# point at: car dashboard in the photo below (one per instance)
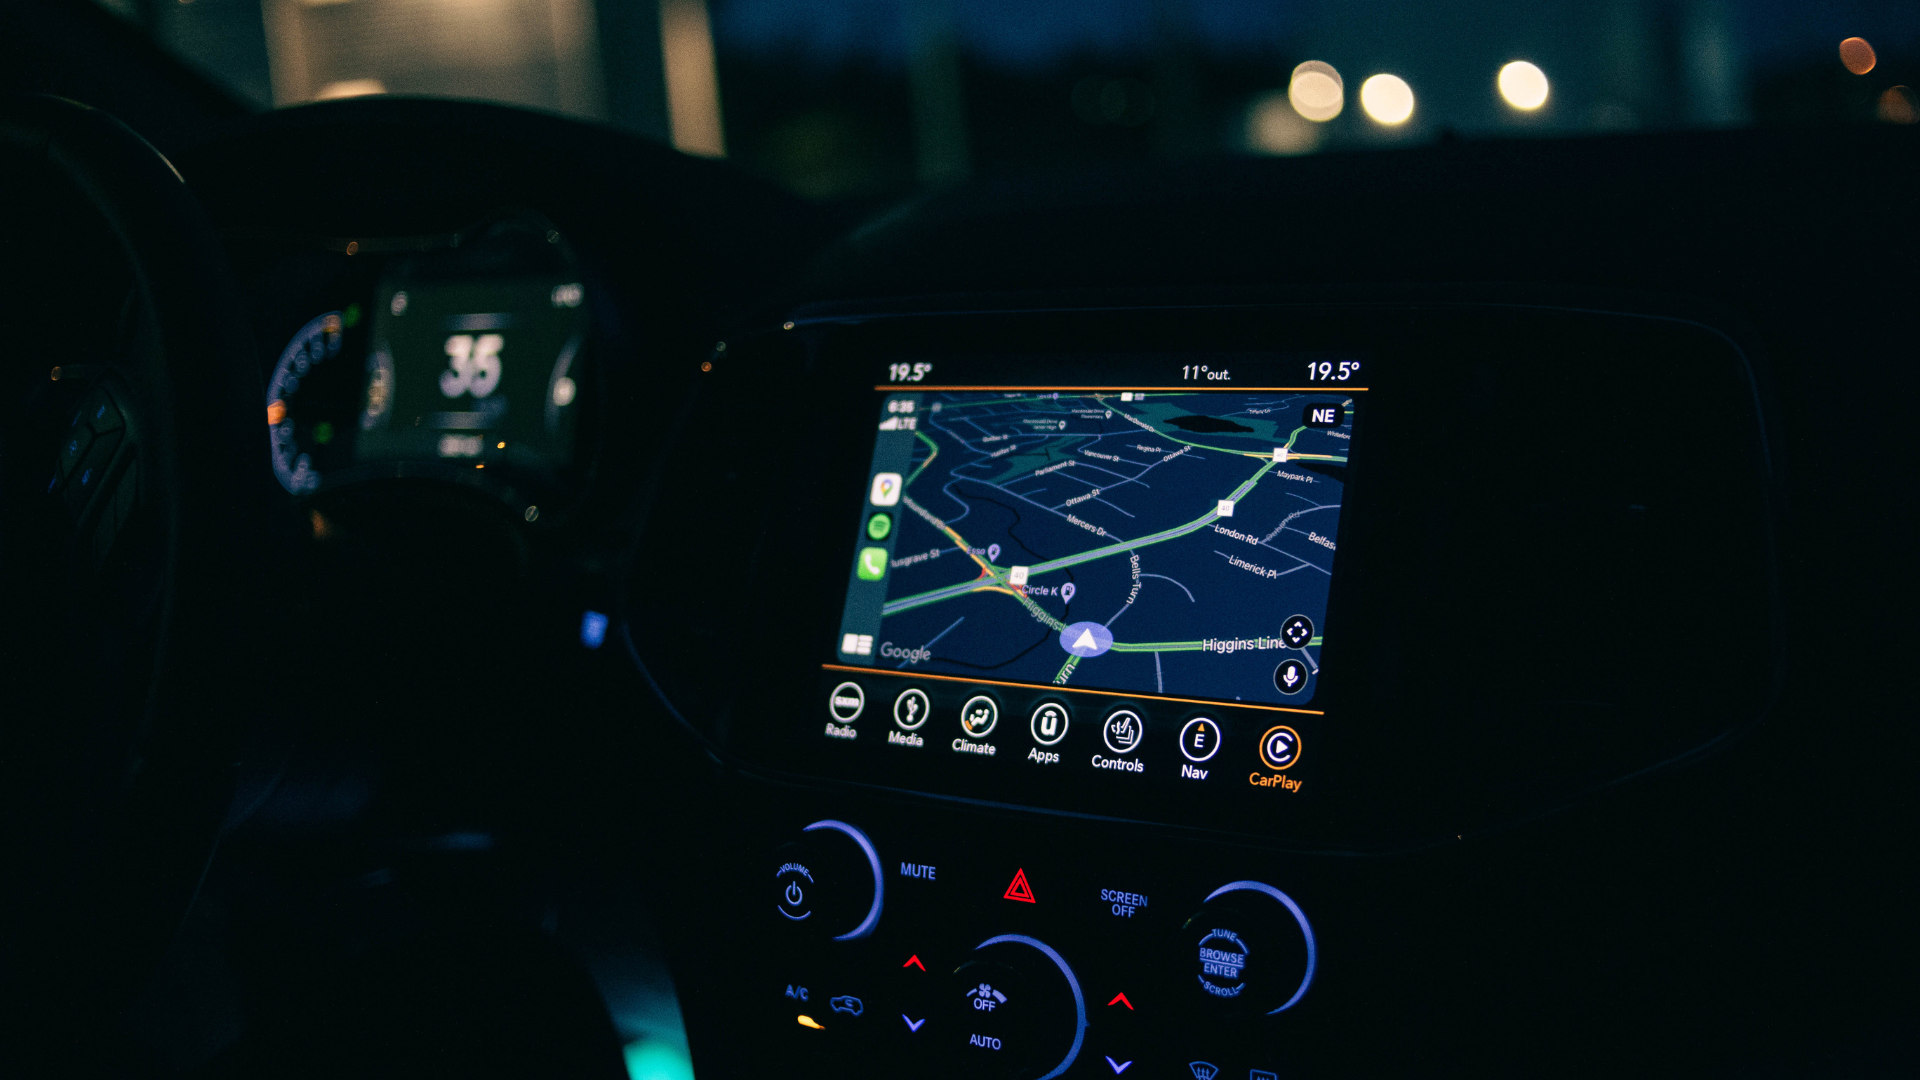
(1414, 611)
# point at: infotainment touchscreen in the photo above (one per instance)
(1168, 541)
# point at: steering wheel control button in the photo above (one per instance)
(794, 888)
(1280, 748)
(1252, 949)
(846, 702)
(910, 709)
(979, 716)
(1290, 677)
(1049, 723)
(1123, 731)
(1297, 632)
(1200, 739)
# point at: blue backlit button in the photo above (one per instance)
(1280, 748)
(846, 702)
(1200, 738)
(1049, 723)
(910, 709)
(1253, 951)
(847, 1003)
(1203, 1070)
(1123, 730)
(979, 716)
(793, 891)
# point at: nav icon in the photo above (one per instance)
(886, 489)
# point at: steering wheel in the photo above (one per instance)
(140, 524)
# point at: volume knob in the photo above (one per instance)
(828, 883)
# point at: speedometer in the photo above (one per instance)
(309, 393)
(316, 343)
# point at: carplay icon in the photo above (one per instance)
(886, 489)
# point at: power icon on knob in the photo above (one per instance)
(792, 897)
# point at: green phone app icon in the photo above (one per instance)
(878, 526)
(873, 564)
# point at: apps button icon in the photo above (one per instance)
(1049, 723)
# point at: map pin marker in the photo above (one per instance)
(1066, 593)
(993, 552)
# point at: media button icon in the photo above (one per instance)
(979, 716)
(1280, 748)
(1123, 731)
(846, 702)
(1290, 677)
(1200, 738)
(1297, 631)
(910, 709)
(1049, 723)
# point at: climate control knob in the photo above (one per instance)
(1248, 950)
(1015, 1011)
(828, 883)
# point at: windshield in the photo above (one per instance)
(871, 99)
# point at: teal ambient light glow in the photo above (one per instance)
(655, 1059)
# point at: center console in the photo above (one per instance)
(1089, 672)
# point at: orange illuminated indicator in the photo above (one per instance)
(1857, 55)
(809, 1022)
(276, 411)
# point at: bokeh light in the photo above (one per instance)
(1387, 99)
(1523, 85)
(1316, 91)
(1273, 127)
(1898, 106)
(1857, 55)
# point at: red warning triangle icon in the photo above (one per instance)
(1020, 890)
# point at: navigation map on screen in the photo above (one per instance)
(1177, 541)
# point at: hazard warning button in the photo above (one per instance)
(1020, 889)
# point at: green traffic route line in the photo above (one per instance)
(948, 592)
(1066, 670)
(931, 445)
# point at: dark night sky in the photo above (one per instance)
(1028, 33)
